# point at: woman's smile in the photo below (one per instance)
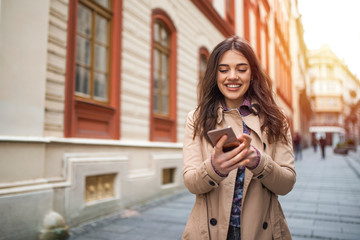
(233, 87)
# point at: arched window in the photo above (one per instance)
(92, 82)
(163, 78)
(161, 69)
(230, 12)
(92, 53)
(203, 59)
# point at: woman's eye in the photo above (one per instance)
(242, 70)
(222, 70)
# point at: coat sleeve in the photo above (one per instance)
(277, 173)
(198, 173)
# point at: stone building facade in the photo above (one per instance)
(94, 95)
(333, 91)
(300, 77)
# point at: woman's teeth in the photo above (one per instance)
(233, 86)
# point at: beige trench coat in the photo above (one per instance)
(262, 217)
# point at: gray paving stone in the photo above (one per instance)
(85, 237)
(332, 235)
(304, 223)
(350, 219)
(119, 228)
(324, 204)
(329, 226)
(100, 235)
(350, 228)
(300, 238)
(300, 231)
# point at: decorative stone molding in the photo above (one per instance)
(79, 166)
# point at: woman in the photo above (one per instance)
(236, 191)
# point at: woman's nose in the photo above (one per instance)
(232, 74)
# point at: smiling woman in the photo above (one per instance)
(236, 92)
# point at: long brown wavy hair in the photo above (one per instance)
(260, 89)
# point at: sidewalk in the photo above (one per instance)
(163, 219)
(324, 204)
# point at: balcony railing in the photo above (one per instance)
(325, 123)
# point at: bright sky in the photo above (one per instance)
(336, 23)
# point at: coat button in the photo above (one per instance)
(213, 221)
(260, 176)
(265, 225)
(212, 183)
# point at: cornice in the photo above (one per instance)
(208, 10)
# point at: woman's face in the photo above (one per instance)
(233, 77)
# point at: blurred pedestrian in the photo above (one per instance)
(314, 143)
(297, 146)
(236, 191)
(322, 142)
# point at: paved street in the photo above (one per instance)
(325, 204)
(163, 219)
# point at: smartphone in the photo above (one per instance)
(231, 141)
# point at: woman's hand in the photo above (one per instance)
(251, 158)
(243, 155)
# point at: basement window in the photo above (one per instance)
(99, 187)
(168, 175)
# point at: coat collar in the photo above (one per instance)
(252, 121)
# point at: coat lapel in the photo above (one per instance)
(253, 123)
